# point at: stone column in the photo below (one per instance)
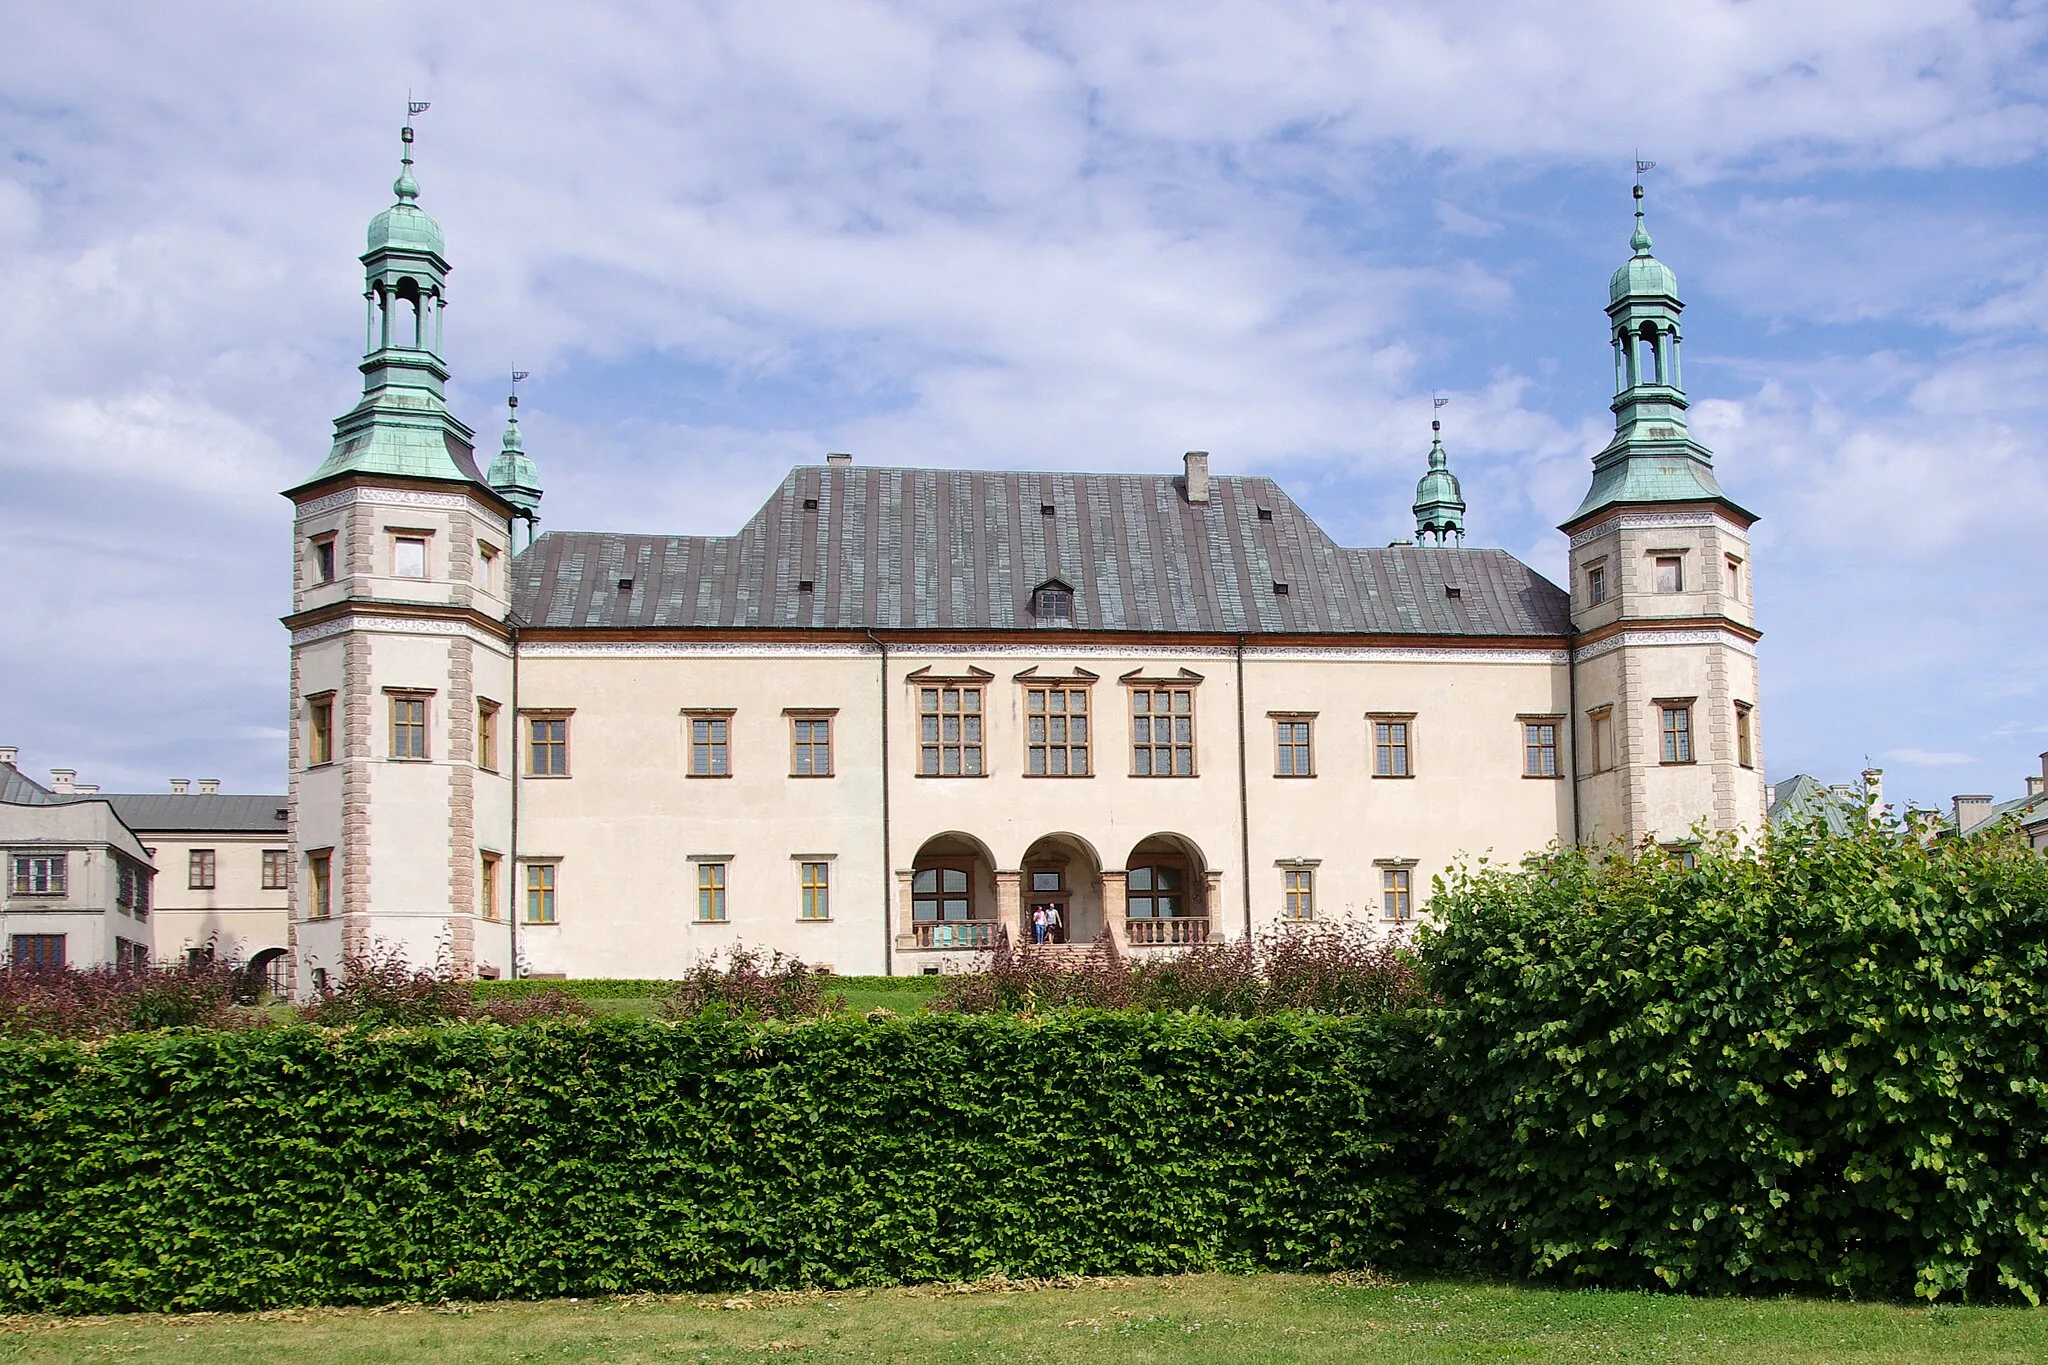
(1212, 902)
(1113, 906)
(1010, 905)
(904, 921)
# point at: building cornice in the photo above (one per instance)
(394, 490)
(1636, 635)
(400, 618)
(1608, 519)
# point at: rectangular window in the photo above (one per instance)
(1539, 748)
(1686, 856)
(949, 731)
(941, 894)
(277, 864)
(323, 560)
(1293, 751)
(1735, 578)
(487, 567)
(1596, 585)
(199, 870)
(409, 557)
(1300, 886)
(1056, 731)
(41, 874)
(132, 888)
(547, 746)
(487, 736)
(320, 730)
(1745, 744)
(810, 746)
(487, 885)
(1670, 573)
(711, 893)
(540, 893)
(37, 952)
(1396, 893)
(1390, 756)
(1162, 732)
(1155, 892)
(408, 727)
(1677, 733)
(319, 872)
(708, 746)
(1601, 724)
(817, 890)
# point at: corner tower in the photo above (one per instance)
(1665, 667)
(400, 569)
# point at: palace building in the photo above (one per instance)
(902, 709)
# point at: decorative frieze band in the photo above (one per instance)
(1667, 637)
(1051, 649)
(384, 497)
(1641, 521)
(395, 625)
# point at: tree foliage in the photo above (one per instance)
(1814, 1064)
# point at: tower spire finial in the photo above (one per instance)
(1439, 502)
(405, 187)
(1640, 238)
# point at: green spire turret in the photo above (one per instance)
(513, 474)
(1653, 457)
(1439, 501)
(402, 425)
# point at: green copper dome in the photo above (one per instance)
(405, 226)
(1642, 275)
(512, 474)
(1439, 501)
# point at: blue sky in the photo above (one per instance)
(728, 237)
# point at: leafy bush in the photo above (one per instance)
(68, 1002)
(1334, 968)
(382, 988)
(749, 986)
(1815, 1064)
(299, 1165)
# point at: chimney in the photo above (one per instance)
(839, 457)
(1970, 812)
(84, 788)
(1197, 463)
(1873, 785)
(7, 755)
(62, 780)
(180, 785)
(2036, 785)
(209, 786)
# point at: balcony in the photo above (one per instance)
(1169, 932)
(955, 934)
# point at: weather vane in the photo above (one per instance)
(1436, 403)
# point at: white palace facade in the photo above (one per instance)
(903, 708)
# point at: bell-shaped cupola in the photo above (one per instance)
(1653, 457)
(1439, 501)
(402, 425)
(513, 475)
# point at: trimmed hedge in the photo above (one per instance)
(622, 988)
(300, 1165)
(1815, 1065)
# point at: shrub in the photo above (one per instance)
(1328, 967)
(749, 986)
(298, 1165)
(1815, 1064)
(67, 1002)
(381, 988)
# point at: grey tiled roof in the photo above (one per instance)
(19, 789)
(1802, 797)
(193, 814)
(963, 550)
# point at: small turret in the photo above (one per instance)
(1439, 501)
(513, 475)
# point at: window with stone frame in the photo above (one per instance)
(1670, 573)
(41, 874)
(323, 559)
(814, 877)
(36, 952)
(543, 883)
(408, 725)
(1539, 746)
(1596, 584)
(320, 883)
(487, 735)
(1392, 745)
(1397, 893)
(1293, 745)
(1056, 738)
(949, 718)
(710, 743)
(547, 745)
(711, 879)
(487, 886)
(810, 744)
(1162, 730)
(277, 869)
(409, 555)
(1600, 737)
(1676, 724)
(1745, 739)
(319, 729)
(200, 870)
(1298, 890)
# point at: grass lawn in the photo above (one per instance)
(1189, 1320)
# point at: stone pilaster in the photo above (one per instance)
(358, 732)
(462, 852)
(1010, 905)
(294, 765)
(1113, 906)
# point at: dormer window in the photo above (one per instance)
(1052, 604)
(1265, 514)
(810, 504)
(1046, 509)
